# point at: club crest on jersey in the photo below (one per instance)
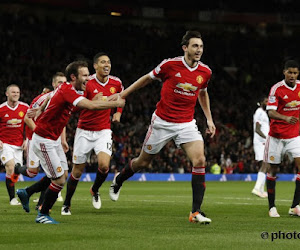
(112, 90)
(21, 113)
(186, 86)
(199, 79)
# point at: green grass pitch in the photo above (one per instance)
(154, 215)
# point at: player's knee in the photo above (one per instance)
(77, 171)
(103, 168)
(199, 161)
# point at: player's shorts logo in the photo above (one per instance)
(149, 147)
(199, 79)
(272, 158)
(75, 157)
(58, 169)
(3, 158)
(32, 163)
(112, 90)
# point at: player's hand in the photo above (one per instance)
(116, 117)
(99, 96)
(1, 145)
(120, 102)
(211, 130)
(292, 119)
(65, 146)
(32, 112)
(113, 97)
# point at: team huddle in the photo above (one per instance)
(100, 99)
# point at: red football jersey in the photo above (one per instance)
(286, 101)
(180, 89)
(36, 102)
(96, 120)
(58, 111)
(12, 123)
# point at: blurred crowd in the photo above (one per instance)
(245, 60)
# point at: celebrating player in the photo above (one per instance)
(12, 141)
(93, 132)
(284, 108)
(185, 79)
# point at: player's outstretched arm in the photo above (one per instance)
(100, 104)
(140, 83)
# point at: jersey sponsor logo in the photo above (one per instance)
(95, 91)
(14, 121)
(187, 86)
(112, 90)
(286, 97)
(6, 115)
(59, 169)
(199, 79)
(21, 113)
(272, 99)
(292, 104)
(178, 74)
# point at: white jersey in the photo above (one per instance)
(262, 118)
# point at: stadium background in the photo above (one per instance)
(245, 46)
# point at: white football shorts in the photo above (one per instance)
(85, 141)
(32, 160)
(51, 154)
(11, 152)
(259, 149)
(160, 132)
(275, 149)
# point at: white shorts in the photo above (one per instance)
(11, 152)
(32, 160)
(259, 149)
(51, 155)
(160, 132)
(85, 141)
(276, 148)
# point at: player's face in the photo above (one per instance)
(291, 75)
(13, 94)
(58, 80)
(194, 50)
(103, 66)
(82, 79)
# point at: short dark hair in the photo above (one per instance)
(291, 64)
(73, 67)
(188, 35)
(96, 57)
(56, 75)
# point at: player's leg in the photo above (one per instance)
(83, 145)
(31, 168)
(54, 164)
(195, 152)
(261, 179)
(101, 175)
(132, 167)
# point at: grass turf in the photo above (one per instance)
(154, 215)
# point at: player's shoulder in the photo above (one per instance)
(4, 104)
(277, 86)
(204, 66)
(173, 60)
(115, 79)
(24, 104)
